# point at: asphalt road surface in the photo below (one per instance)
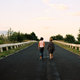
(26, 65)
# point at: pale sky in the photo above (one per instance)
(44, 17)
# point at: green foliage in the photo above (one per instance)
(53, 37)
(33, 36)
(57, 37)
(1, 42)
(27, 36)
(9, 33)
(19, 37)
(70, 38)
(2, 39)
(77, 42)
(16, 37)
(78, 37)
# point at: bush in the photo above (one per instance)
(77, 42)
(58, 37)
(69, 38)
(1, 42)
(78, 37)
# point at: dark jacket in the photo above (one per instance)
(51, 47)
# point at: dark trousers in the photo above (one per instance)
(41, 51)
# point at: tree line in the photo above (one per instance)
(13, 36)
(68, 38)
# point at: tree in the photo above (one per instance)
(53, 37)
(9, 33)
(13, 37)
(17, 37)
(70, 38)
(78, 36)
(33, 36)
(20, 37)
(2, 38)
(58, 37)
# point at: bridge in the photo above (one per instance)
(26, 65)
(75, 46)
(13, 45)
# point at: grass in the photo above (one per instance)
(68, 48)
(6, 53)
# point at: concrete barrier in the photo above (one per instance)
(13, 45)
(75, 46)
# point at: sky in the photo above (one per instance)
(44, 17)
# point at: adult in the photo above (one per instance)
(41, 46)
(51, 48)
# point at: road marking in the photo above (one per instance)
(52, 73)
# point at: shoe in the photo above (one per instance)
(40, 57)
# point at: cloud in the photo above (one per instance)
(45, 18)
(59, 6)
(75, 13)
(56, 6)
(46, 1)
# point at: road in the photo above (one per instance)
(26, 65)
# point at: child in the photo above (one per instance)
(51, 48)
(41, 46)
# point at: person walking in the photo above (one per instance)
(41, 46)
(51, 48)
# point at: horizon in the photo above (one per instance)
(44, 17)
(5, 33)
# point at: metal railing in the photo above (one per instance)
(75, 46)
(13, 45)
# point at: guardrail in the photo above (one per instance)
(75, 46)
(13, 45)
